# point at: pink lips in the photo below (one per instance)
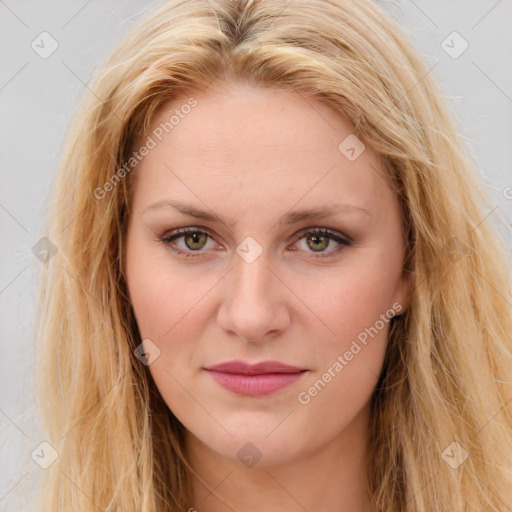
(257, 379)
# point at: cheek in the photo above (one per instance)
(354, 306)
(166, 299)
(351, 353)
(169, 312)
(351, 301)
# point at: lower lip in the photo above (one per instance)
(255, 385)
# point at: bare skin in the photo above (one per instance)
(251, 156)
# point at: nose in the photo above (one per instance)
(254, 305)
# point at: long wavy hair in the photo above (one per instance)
(441, 421)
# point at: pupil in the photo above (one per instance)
(317, 239)
(196, 239)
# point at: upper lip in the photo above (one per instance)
(242, 367)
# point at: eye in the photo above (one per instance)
(195, 239)
(319, 239)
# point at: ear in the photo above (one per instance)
(404, 290)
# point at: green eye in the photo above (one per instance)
(195, 240)
(317, 240)
(320, 242)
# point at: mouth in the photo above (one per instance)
(257, 379)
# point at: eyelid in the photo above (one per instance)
(323, 230)
(170, 235)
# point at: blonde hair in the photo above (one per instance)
(447, 373)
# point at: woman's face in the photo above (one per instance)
(253, 280)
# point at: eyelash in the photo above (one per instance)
(170, 236)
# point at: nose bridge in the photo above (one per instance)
(251, 273)
(252, 280)
(251, 306)
(251, 289)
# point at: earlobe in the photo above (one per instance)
(405, 288)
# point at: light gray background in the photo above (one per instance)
(37, 97)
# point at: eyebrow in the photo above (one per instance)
(287, 218)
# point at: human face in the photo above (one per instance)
(255, 287)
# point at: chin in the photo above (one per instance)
(257, 446)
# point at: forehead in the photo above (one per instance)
(239, 120)
(256, 145)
